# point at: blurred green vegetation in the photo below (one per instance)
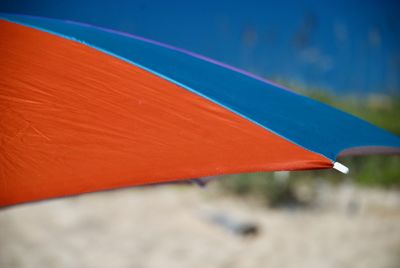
(369, 171)
(381, 110)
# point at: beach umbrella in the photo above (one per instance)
(85, 109)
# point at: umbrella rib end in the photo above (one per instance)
(340, 167)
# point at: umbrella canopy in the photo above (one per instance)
(87, 109)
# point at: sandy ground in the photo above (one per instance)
(169, 226)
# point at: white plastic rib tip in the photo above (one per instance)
(341, 168)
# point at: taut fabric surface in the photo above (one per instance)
(308, 123)
(75, 120)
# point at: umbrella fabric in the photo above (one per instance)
(87, 109)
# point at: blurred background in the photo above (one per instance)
(344, 53)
